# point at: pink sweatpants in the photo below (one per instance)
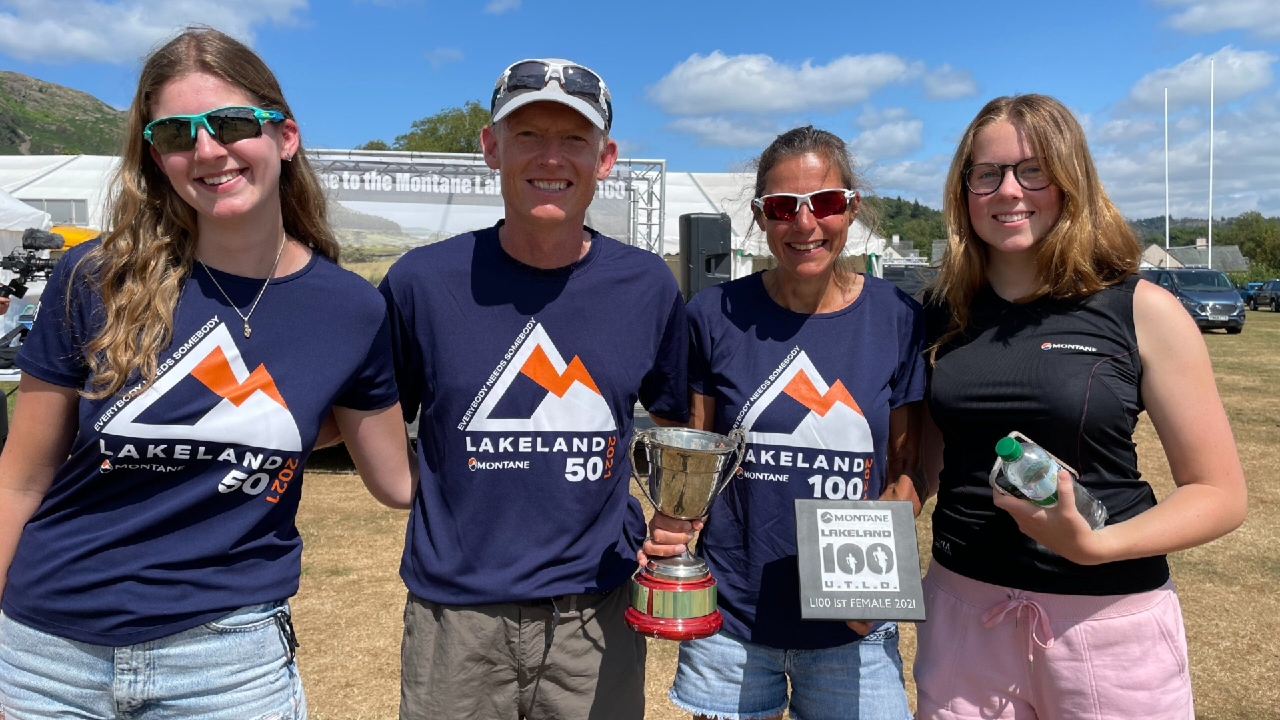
(989, 652)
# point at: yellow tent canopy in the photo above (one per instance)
(74, 235)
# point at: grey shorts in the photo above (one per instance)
(486, 661)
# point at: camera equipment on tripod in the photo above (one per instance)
(26, 262)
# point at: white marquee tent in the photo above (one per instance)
(731, 193)
(70, 188)
(15, 217)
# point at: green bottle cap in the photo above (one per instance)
(1009, 449)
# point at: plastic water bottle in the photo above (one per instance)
(1035, 473)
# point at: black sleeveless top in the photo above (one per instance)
(1066, 374)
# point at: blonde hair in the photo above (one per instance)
(149, 245)
(1090, 247)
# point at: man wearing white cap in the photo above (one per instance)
(526, 346)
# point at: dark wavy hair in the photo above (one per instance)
(809, 140)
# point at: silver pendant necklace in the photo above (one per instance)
(245, 316)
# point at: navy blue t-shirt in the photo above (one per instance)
(177, 504)
(527, 380)
(813, 393)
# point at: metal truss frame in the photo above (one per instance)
(646, 180)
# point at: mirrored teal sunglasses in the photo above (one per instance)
(177, 133)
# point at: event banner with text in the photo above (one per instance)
(408, 200)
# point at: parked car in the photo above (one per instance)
(1247, 290)
(910, 279)
(1266, 296)
(1208, 296)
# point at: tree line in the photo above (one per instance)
(453, 130)
(1257, 236)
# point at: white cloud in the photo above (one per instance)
(891, 140)
(719, 83)
(1121, 130)
(497, 7)
(1261, 17)
(1246, 166)
(1236, 74)
(948, 83)
(630, 148)
(727, 132)
(871, 117)
(1188, 124)
(912, 179)
(440, 57)
(116, 31)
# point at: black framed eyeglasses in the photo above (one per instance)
(986, 178)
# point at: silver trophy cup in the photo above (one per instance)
(681, 471)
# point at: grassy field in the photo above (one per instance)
(348, 611)
(371, 270)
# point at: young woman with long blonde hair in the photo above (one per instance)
(172, 389)
(1039, 324)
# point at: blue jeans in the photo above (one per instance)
(239, 667)
(728, 678)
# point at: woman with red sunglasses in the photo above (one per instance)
(170, 397)
(821, 366)
(1040, 324)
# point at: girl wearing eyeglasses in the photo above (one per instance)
(821, 365)
(172, 389)
(1039, 324)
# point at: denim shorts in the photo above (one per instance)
(728, 678)
(239, 667)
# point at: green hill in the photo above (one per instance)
(909, 220)
(1182, 231)
(40, 118)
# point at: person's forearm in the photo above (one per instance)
(903, 479)
(16, 508)
(43, 426)
(904, 488)
(380, 449)
(1191, 515)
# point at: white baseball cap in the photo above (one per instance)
(576, 86)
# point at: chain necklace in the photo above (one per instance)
(254, 306)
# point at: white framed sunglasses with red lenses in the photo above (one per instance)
(784, 207)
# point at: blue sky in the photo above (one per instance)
(707, 84)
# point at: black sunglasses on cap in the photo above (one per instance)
(535, 75)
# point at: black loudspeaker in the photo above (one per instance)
(706, 251)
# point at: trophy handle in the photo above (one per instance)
(739, 436)
(637, 459)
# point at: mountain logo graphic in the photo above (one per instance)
(225, 403)
(105, 467)
(538, 391)
(800, 410)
